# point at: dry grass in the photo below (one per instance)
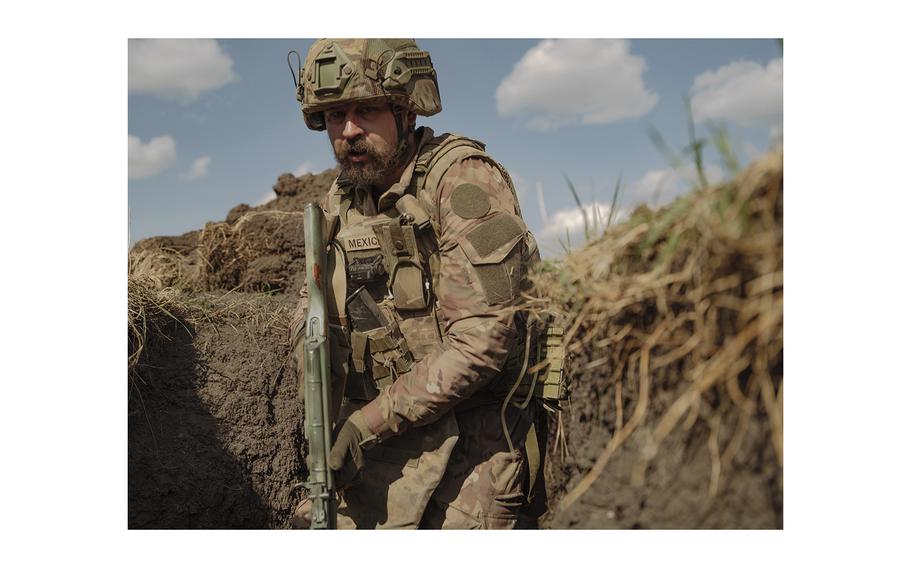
(153, 311)
(165, 267)
(193, 280)
(252, 254)
(229, 250)
(688, 298)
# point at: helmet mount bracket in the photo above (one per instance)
(332, 71)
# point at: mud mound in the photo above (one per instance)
(676, 338)
(292, 192)
(262, 252)
(214, 423)
(256, 249)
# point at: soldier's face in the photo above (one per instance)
(364, 137)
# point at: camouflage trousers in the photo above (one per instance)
(457, 473)
(484, 486)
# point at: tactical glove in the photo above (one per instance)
(346, 457)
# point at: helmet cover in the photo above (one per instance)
(341, 71)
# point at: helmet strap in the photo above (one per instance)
(404, 129)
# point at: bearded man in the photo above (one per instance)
(437, 427)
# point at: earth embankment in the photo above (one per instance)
(674, 328)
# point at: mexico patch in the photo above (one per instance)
(470, 202)
(363, 242)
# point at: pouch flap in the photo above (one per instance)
(493, 239)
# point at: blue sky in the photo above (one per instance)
(212, 123)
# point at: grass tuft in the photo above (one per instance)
(687, 299)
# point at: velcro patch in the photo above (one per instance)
(492, 234)
(470, 202)
(497, 285)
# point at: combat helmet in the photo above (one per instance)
(339, 71)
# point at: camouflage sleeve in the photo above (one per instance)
(476, 287)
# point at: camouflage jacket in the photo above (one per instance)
(456, 338)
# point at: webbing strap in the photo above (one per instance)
(532, 450)
(382, 342)
(436, 159)
(444, 158)
(358, 350)
(382, 375)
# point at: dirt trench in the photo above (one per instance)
(215, 441)
(214, 426)
(683, 487)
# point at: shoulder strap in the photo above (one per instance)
(436, 157)
(337, 203)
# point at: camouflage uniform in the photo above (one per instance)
(431, 385)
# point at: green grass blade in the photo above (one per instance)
(696, 146)
(720, 138)
(664, 148)
(616, 190)
(584, 214)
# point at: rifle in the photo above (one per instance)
(314, 348)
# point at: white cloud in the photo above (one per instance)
(151, 158)
(552, 239)
(570, 81)
(177, 69)
(655, 188)
(573, 219)
(659, 187)
(304, 168)
(744, 92)
(199, 169)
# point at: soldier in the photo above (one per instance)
(428, 258)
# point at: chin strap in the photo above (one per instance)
(404, 129)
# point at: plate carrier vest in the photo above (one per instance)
(382, 271)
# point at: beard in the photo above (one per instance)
(373, 171)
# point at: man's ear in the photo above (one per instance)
(412, 119)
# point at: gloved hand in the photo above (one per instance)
(346, 457)
(302, 517)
